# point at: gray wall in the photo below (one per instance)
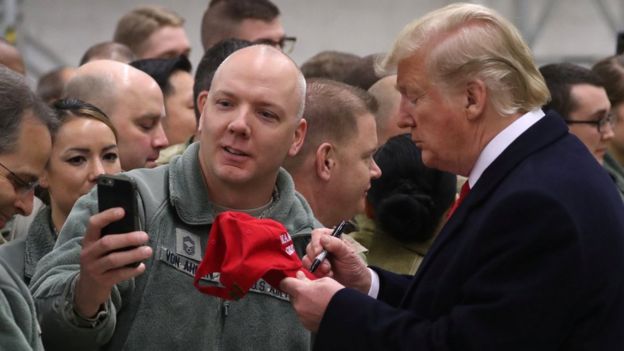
(574, 30)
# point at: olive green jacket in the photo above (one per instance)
(23, 253)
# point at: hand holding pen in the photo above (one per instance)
(336, 233)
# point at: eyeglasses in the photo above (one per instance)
(20, 185)
(286, 44)
(601, 124)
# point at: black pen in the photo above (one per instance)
(336, 233)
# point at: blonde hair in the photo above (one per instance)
(467, 41)
(136, 26)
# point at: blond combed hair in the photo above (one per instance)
(136, 26)
(462, 42)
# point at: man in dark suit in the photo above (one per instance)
(531, 259)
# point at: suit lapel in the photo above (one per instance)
(541, 134)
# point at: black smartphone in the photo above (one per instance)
(619, 44)
(118, 191)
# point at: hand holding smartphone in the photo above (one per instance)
(118, 191)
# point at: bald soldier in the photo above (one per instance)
(387, 115)
(134, 103)
(89, 297)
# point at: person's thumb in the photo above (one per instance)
(290, 285)
(302, 276)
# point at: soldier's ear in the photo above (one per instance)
(201, 101)
(299, 137)
(43, 180)
(325, 160)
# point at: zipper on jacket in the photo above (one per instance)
(225, 311)
(226, 308)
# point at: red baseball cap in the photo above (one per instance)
(244, 249)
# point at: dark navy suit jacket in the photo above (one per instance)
(532, 260)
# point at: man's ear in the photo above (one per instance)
(475, 98)
(299, 138)
(325, 160)
(201, 100)
(43, 180)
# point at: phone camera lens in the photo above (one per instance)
(106, 181)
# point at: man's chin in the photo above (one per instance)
(233, 175)
(150, 164)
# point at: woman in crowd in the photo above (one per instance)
(405, 207)
(84, 147)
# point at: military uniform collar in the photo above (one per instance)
(189, 193)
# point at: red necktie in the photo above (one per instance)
(465, 189)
